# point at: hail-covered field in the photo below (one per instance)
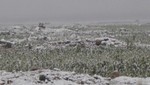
(91, 54)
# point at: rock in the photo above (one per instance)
(67, 42)
(42, 78)
(2, 82)
(106, 39)
(98, 42)
(81, 82)
(29, 46)
(45, 38)
(97, 77)
(34, 69)
(115, 74)
(9, 81)
(64, 42)
(6, 82)
(41, 25)
(7, 45)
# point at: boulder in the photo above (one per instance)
(115, 74)
(6, 44)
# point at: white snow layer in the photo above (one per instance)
(57, 77)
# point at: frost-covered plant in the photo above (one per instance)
(102, 60)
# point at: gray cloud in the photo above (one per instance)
(70, 10)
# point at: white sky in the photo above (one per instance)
(73, 10)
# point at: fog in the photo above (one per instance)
(73, 10)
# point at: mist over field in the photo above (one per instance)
(73, 10)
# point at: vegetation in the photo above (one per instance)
(102, 60)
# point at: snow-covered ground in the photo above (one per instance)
(57, 77)
(53, 37)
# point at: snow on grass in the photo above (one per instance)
(53, 78)
(90, 58)
(65, 78)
